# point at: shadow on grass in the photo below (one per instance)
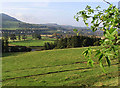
(11, 54)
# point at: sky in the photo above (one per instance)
(49, 11)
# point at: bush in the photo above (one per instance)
(14, 49)
(48, 46)
(19, 49)
(25, 49)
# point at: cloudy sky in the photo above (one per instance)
(49, 11)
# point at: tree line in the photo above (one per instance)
(6, 48)
(20, 37)
(72, 42)
(4, 42)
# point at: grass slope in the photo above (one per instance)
(65, 67)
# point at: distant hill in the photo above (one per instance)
(9, 22)
(6, 17)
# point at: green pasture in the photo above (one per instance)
(11, 28)
(32, 42)
(58, 67)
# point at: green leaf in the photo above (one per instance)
(77, 33)
(109, 54)
(75, 30)
(77, 19)
(112, 30)
(108, 61)
(74, 17)
(86, 24)
(108, 35)
(98, 7)
(118, 41)
(101, 56)
(85, 53)
(101, 65)
(90, 62)
(98, 52)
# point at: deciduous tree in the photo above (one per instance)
(109, 19)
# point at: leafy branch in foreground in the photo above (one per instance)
(108, 21)
(76, 31)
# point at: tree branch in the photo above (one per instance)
(107, 2)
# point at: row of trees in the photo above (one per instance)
(6, 48)
(20, 37)
(48, 46)
(14, 37)
(72, 42)
(36, 36)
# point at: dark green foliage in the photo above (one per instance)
(5, 47)
(13, 37)
(24, 49)
(84, 43)
(69, 42)
(36, 36)
(49, 46)
(19, 49)
(72, 42)
(62, 43)
(97, 43)
(5, 35)
(24, 37)
(19, 37)
(2, 45)
(77, 41)
(119, 34)
(14, 49)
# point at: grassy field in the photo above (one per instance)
(11, 28)
(64, 67)
(31, 42)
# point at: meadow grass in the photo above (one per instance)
(32, 42)
(58, 67)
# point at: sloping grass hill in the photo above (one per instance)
(64, 67)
